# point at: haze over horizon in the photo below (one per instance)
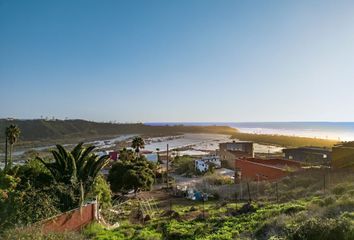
(183, 61)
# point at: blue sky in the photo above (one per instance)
(183, 60)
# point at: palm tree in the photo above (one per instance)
(137, 144)
(79, 167)
(12, 135)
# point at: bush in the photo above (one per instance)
(35, 233)
(323, 229)
(148, 234)
(137, 174)
(215, 179)
(184, 165)
(340, 189)
(102, 191)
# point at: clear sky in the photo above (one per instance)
(182, 60)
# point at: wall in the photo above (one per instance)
(309, 155)
(72, 220)
(228, 157)
(254, 171)
(276, 162)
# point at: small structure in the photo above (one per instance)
(343, 155)
(205, 162)
(113, 155)
(256, 169)
(229, 151)
(312, 155)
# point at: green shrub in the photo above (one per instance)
(340, 189)
(323, 229)
(148, 234)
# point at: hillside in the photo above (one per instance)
(285, 141)
(43, 130)
(308, 208)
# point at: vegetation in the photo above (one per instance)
(184, 165)
(34, 233)
(304, 211)
(131, 174)
(102, 191)
(285, 141)
(41, 130)
(42, 189)
(78, 168)
(138, 143)
(12, 134)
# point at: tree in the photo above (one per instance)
(12, 134)
(138, 143)
(136, 175)
(102, 191)
(126, 155)
(78, 168)
(27, 196)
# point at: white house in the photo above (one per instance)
(202, 164)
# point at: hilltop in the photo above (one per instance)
(49, 130)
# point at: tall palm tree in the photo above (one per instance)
(138, 143)
(79, 167)
(12, 135)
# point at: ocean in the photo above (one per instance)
(342, 131)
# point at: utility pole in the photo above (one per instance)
(5, 152)
(167, 168)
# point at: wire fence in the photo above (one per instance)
(297, 185)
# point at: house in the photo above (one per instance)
(204, 163)
(256, 169)
(229, 151)
(343, 155)
(315, 155)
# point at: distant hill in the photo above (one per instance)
(42, 130)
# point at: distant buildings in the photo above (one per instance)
(313, 155)
(203, 164)
(343, 155)
(256, 169)
(229, 151)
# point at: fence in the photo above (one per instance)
(296, 185)
(72, 220)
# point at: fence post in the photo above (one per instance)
(249, 193)
(324, 183)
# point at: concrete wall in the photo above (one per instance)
(71, 221)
